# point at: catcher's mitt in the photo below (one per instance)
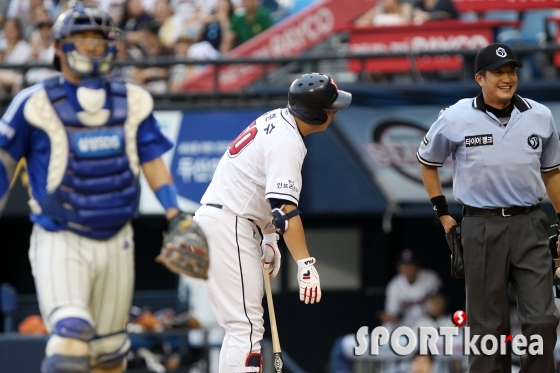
(185, 250)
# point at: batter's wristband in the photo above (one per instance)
(440, 205)
(167, 196)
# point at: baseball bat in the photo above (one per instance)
(276, 350)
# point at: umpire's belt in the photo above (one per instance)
(500, 211)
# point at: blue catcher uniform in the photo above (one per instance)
(84, 145)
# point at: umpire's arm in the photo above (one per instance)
(432, 183)
(551, 181)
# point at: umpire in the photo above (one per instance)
(505, 152)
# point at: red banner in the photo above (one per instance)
(433, 36)
(287, 38)
(480, 6)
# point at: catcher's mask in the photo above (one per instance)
(82, 18)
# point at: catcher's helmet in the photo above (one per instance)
(82, 18)
(311, 94)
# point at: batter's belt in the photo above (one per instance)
(221, 207)
(499, 211)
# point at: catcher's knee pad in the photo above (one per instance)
(68, 348)
(66, 355)
(109, 351)
(72, 322)
(253, 363)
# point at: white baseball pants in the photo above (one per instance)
(235, 284)
(78, 273)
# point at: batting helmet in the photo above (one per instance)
(311, 94)
(83, 18)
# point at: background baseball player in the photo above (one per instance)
(506, 154)
(86, 138)
(260, 172)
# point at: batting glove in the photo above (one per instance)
(271, 255)
(308, 279)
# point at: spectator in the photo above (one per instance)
(115, 8)
(154, 79)
(170, 24)
(42, 49)
(253, 20)
(407, 292)
(14, 50)
(135, 19)
(22, 10)
(432, 10)
(186, 49)
(386, 13)
(216, 25)
(179, 73)
(3, 11)
(189, 7)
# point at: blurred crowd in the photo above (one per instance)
(181, 29)
(402, 12)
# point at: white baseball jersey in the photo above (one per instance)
(263, 162)
(408, 299)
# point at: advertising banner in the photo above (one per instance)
(439, 36)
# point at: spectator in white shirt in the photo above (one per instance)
(407, 292)
(14, 50)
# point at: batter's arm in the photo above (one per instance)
(551, 181)
(432, 184)
(295, 237)
(158, 175)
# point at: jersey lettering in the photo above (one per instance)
(269, 129)
(479, 140)
(245, 138)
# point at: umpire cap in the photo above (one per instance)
(311, 94)
(493, 57)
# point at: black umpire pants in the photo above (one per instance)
(497, 251)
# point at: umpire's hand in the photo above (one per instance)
(447, 221)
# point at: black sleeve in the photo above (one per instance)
(276, 202)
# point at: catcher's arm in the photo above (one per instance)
(159, 179)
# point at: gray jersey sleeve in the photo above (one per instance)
(550, 157)
(435, 147)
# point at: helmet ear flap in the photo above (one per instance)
(315, 117)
